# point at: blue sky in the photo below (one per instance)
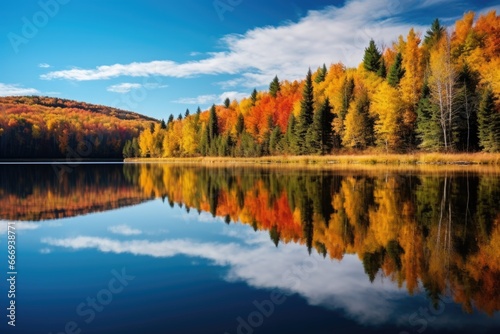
(161, 57)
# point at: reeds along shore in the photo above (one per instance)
(492, 159)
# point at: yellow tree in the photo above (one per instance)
(387, 108)
(411, 84)
(146, 142)
(189, 142)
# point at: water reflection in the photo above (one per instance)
(43, 192)
(431, 232)
(437, 232)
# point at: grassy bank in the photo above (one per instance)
(492, 159)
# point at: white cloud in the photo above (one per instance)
(44, 65)
(211, 98)
(126, 87)
(14, 90)
(123, 87)
(257, 262)
(329, 35)
(124, 230)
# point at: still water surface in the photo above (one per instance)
(185, 249)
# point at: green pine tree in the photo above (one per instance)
(382, 70)
(429, 132)
(240, 124)
(306, 115)
(371, 60)
(489, 122)
(254, 96)
(213, 127)
(227, 102)
(274, 87)
(434, 34)
(275, 141)
(292, 145)
(396, 72)
(322, 72)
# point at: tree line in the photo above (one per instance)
(434, 93)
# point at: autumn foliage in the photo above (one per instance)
(42, 127)
(421, 93)
(438, 233)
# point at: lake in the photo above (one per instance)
(158, 248)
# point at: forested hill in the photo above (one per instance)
(33, 127)
(436, 90)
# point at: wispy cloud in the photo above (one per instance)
(126, 87)
(124, 230)
(211, 98)
(431, 3)
(14, 90)
(123, 87)
(331, 34)
(44, 65)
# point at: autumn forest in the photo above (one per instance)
(437, 92)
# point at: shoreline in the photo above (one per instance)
(417, 159)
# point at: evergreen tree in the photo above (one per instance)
(396, 72)
(227, 102)
(382, 70)
(429, 132)
(266, 139)
(320, 133)
(434, 34)
(347, 92)
(163, 125)
(306, 115)
(274, 87)
(187, 113)
(322, 72)
(275, 141)
(179, 117)
(254, 96)
(371, 60)
(198, 111)
(291, 137)
(489, 122)
(468, 101)
(170, 119)
(213, 126)
(326, 120)
(240, 124)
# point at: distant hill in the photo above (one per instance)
(34, 127)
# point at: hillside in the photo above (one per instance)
(51, 128)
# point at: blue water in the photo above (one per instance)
(192, 273)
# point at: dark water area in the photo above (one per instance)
(139, 248)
